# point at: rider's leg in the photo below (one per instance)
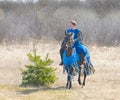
(61, 53)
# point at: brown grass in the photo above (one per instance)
(103, 85)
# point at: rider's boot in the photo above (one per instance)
(61, 63)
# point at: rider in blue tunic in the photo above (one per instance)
(77, 37)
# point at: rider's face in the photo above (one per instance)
(72, 26)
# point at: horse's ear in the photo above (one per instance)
(65, 33)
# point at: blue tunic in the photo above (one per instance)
(80, 48)
(72, 59)
(75, 32)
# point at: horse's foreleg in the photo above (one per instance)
(69, 82)
(70, 85)
(67, 85)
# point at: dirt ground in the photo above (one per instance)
(103, 85)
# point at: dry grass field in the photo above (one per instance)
(103, 85)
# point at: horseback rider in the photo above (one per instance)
(76, 36)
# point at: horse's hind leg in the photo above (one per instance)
(79, 80)
(84, 79)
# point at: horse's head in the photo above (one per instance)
(68, 37)
(68, 40)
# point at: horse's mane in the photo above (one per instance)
(69, 51)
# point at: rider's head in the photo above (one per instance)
(73, 24)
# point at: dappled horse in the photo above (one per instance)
(74, 56)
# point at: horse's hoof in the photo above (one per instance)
(93, 70)
(79, 82)
(70, 87)
(66, 86)
(83, 84)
